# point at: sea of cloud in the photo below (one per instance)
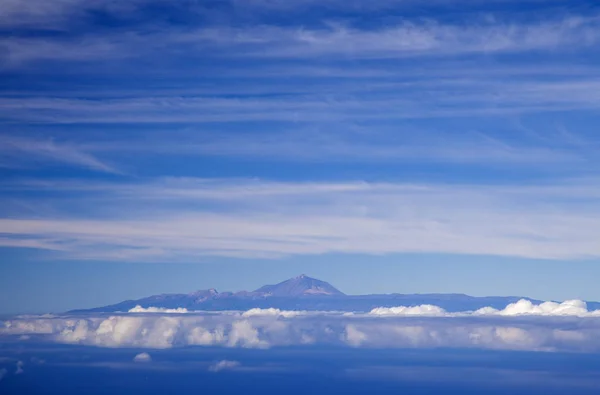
(549, 326)
(523, 307)
(140, 309)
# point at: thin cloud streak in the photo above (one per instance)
(15, 151)
(458, 99)
(406, 39)
(342, 143)
(283, 219)
(16, 13)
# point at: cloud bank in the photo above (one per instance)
(140, 309)
(273, 312)
(424, 310)
(525, 307)
(576, 308)
(550, 326)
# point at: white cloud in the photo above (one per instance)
(140, 309)
(19, 368)
(142, 357)
(274, 219)
(423, 310)
(223, 365)
(41, 14)
(272, 312)
(15, 152)
(29, 326)
(200, 336)
(404, 39)
(577, 308)
(412, 38)
(544, 327)
(526, 307)
(353, 336)
(463, 97)
(244, 334)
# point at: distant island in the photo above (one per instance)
(310, 294)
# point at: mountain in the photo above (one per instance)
(306, 293)
(299, 286)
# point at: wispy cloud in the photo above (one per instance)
(322, 103)
(346, 145)
(19, 151)
(344, 142)
(429, 37)
(316, 90)
(184, 221)
(61, 13)
(404, 39)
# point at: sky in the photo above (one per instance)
(153, 146)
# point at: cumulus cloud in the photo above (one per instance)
(353, 336)
(142, 357)
(273, 312)
(27, 325)
(223, 365)
(200, 336)
(19, 369)
(522, 307)
(245, 335)
(425, 309)
(526, 307)
(140, 309)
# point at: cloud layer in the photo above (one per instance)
(140, 309)
(520, 326)
(523, 307)
(182, 219)
(322, 38)
(109, 150)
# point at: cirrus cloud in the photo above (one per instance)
(183, 219)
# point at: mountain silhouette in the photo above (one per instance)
(299, 286)
(306, 293)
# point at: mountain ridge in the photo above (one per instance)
(306, 293)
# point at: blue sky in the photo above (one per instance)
(387, 146)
